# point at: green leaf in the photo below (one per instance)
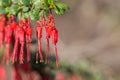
(43, 13)
(58, 10)
(45, 6)
(37, 4)
(16, 2)
(14, 9)
(19, 2)
(2, 10)
(26, 2)
(62, 11)
(62, 6)
(25, 8)
(7, 9)
(46, 13)
(34, 15)
(41, 4)
(6, 3)
(25, 15)
(50, 2)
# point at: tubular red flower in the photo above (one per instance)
(54, 36)
(23, 32)
(13, 23)
(1, 33)
(8, 39)
(39, 36)
(49, 27)
(48, 32)
(7, 52)
(28, 41)
(55, 40)
(21, 39)
(16, 44)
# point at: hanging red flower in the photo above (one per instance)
(28, 35)
(8, 39)
(39, 36)
(2, 25)
(16, 29)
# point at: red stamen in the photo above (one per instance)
(28, 51)
(40, 50)
(55, 40)
(37, 57)
(7, 53)
(15, 51)
(47, 50)
(21, 57)
(57, 58)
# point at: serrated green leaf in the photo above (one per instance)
(25, 8)
(58, 10)
(62, 6)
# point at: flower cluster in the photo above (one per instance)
(19, 35)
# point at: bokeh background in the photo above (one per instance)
(90, 30)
